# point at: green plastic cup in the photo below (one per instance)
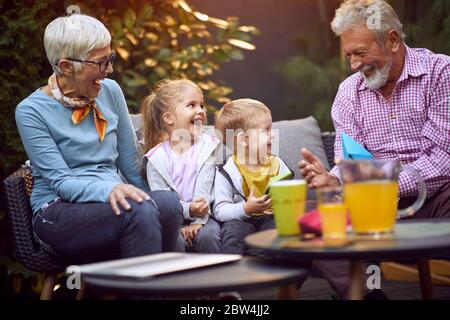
(288, 202)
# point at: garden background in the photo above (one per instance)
(281, 52)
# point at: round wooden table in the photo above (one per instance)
(250, 273)
(412, 239)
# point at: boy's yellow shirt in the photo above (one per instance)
(258, 179)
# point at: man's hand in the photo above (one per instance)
(198, 207)
(122, 191)
(314, 172)
(189, 232)
(254, 205)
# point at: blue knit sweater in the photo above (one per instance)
(68, 160)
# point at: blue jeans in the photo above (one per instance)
(88, 232)
(206, 241)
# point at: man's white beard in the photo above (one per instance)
(379, 77)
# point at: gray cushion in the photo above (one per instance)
(297, 134)
(292, 136)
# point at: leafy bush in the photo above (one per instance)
(23, 67)
(313, 88)
(314, 74)
(154, 40)
(160, 38)
(432, 30)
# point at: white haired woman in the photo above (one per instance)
(77, 133)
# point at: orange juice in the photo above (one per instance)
(372, 205)
(333, 218)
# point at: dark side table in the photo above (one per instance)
(414, 239)
(250, 273)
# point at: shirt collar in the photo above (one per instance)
(412, 67)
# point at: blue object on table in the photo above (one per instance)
(352, 149)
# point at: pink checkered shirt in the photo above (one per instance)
(414, 127)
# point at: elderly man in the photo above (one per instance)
(397, 105)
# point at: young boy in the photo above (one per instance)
(240, 202)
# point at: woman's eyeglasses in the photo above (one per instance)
(102, 64)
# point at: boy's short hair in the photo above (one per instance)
(239, 115)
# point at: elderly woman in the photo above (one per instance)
(77, 133)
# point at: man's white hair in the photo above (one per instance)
(377, 15)
(74, 36)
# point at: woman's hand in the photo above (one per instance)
(189, 232)
(122, 191)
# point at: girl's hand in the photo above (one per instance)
(198, 207)
(122, 191)
(189, 232)
(254, 205)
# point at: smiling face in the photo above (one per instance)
(188, 114)
(259, 138)
(88, 79)
(86, 82)
(366, 55)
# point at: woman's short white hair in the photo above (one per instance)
(377, 15)
(74, 37)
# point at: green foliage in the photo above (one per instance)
(154, 39)
(313, 75)
(432, 31)
(23, 68)
(312, 86)
(160, 38)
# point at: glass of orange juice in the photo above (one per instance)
(333, 215)
(371, 192)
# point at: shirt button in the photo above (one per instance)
(393, 116)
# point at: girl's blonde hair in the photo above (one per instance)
(162, 99)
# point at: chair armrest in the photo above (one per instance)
(17, 190)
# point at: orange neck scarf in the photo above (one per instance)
(81, 107)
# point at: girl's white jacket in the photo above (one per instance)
(158, 176)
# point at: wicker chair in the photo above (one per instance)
(17, 191)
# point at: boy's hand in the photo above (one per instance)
(254, 205)
(198, 207)
(189, 232)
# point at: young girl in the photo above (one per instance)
(181, 158)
